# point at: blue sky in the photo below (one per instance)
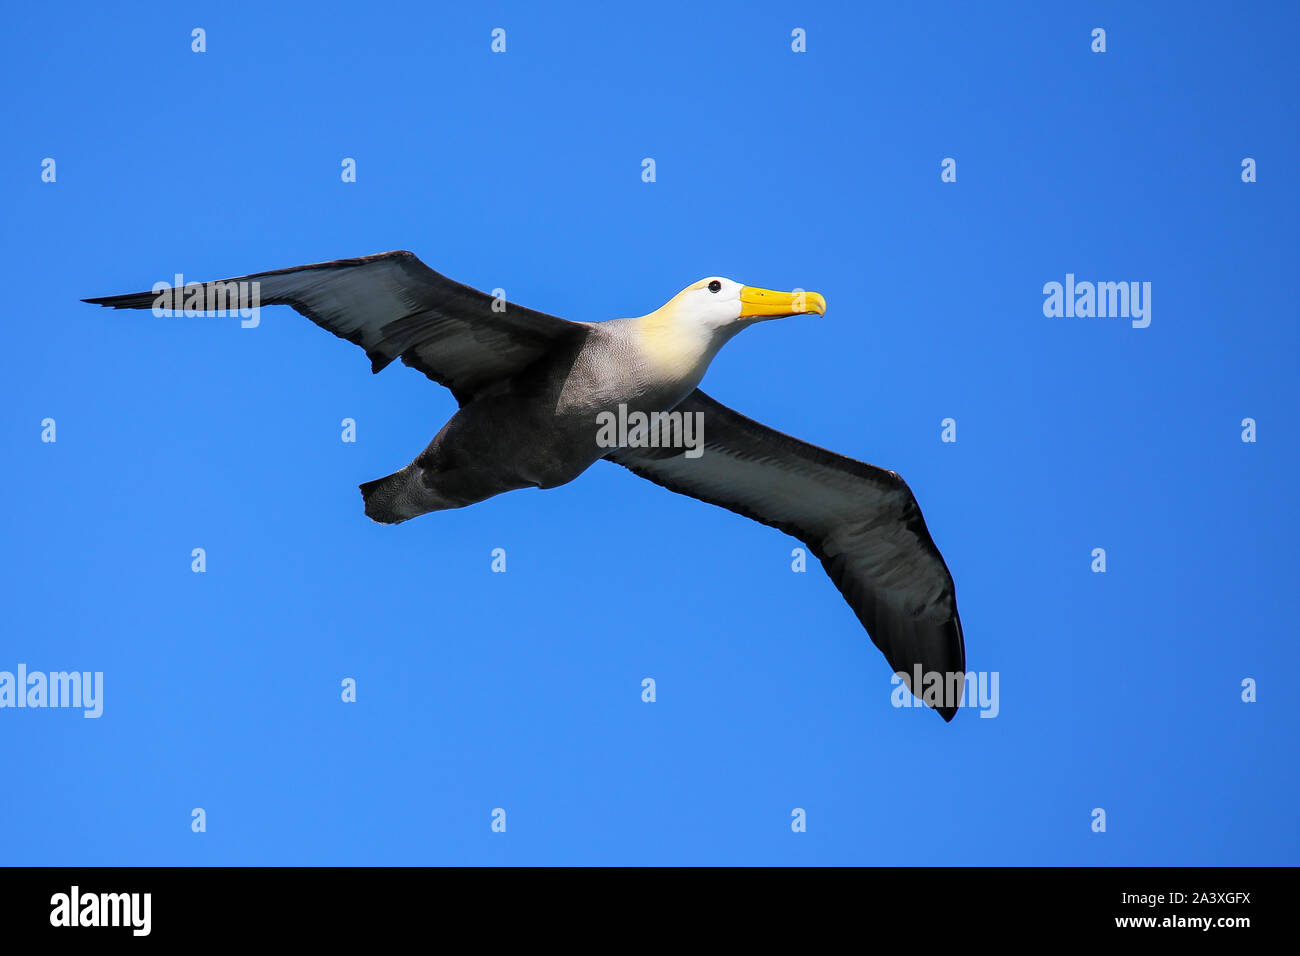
(522, 690)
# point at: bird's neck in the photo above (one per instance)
(677, 349)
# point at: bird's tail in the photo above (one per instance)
(396, 497)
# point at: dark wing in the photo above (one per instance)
(861, 521)
(394, 306)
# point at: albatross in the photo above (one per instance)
(532, 387)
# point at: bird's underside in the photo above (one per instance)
(530, 387)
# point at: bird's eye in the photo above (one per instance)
(715, 286)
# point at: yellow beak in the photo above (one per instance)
(765, 302)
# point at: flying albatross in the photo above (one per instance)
(532, 387)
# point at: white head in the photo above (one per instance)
(684, 335)
(719, 304)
